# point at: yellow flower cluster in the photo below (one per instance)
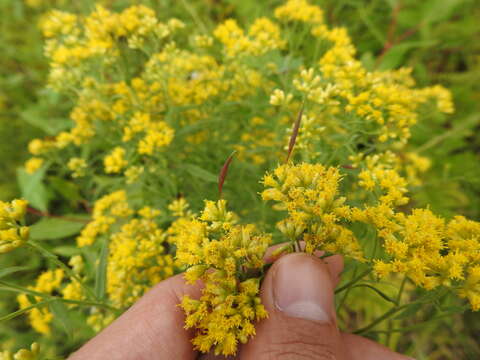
(41, 317)
(299, 10)
(385, 100)
(263, 36)
(71, 40)
(137, 257)
(221, 254)
(106, 211)
(316, 213)
(383, 170)
(23, 354)
(157, 134)
(12, 234)
(431, 252)
(33, 164)
(115, 161)
(77, 166)
(151, 101)
(137, 260)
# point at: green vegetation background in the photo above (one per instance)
(437, 38)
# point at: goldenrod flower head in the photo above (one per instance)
(203, 41)
(133, 173)
(33, 164)
(225, 313)
(137, 261)
(309, 193)
(77, 263)
(23, 354)
(77, 166)
(279, 98)
(262, 37)
(149, 213)
(179, 207)
(41, 317)
(299, 10)
(115, 161)
(106, 211)
(12, 235)
(217, 251)
(216, 213)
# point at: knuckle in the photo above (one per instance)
(300, 343)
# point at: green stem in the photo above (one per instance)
(386, 316)
(48, 254)
(194, 15)
(348, 288)
(353, 281)
(464, 125)
(378, 320)
(24, 310)
(48, 297)
(390, 322)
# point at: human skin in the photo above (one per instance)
(298, 293)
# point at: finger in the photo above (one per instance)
(150, 329)
(334, 262)
(360, 348)
(298, 294)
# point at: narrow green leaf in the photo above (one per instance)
(56, 228)
(12, 269)
(67, 189)
(395, 55)
(60, 313)
(101, 276)
(32, 188)
(409, 311)
(24, 310)
(66, 250)
(379, 292)
(200, 173)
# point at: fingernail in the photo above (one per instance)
(302, 288)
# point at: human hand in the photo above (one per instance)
(298, 293)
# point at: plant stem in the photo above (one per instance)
(397, 300)
(48, 254)
(353, 281)
(457, 130)
(385, 316)
(48, 297)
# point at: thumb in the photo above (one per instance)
(298, 294)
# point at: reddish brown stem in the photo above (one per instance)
(46, 214)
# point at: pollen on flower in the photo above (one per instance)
(214, 249)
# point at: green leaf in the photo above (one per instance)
(11, 270)
(66, 189)
(101, 276)
(24, 310)
(379, 292)
(395, 55)
(48, 114)
(32, 188)
(200, 173)
(56, 228)
(439, 10)
(66, 251)
(409, 311)
(60, 313)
